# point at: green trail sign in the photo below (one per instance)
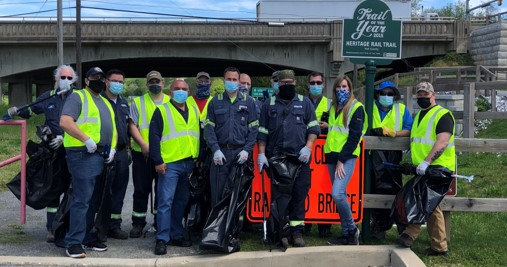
(258, 91)
(372, 34)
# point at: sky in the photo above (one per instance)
(157, 9)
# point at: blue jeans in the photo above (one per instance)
(173, 192)
(339, 194)
(85, 169)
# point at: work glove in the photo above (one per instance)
(56, 142)
(262, 161)
(13, 111)
(421, 168)
(90, 145)
(219, 158)
(304, 154)
(110, 158)
(243, 156)
(384, 131)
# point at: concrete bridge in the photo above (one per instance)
(28, 52)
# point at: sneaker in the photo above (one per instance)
(353, 238)
(342, 240)
(75, 251)
(137, 231)
(96, 246)
(50, 238)
(297, 241)
(405, 240)
(431, 252)
(117, 233)
(160, 247)
(181, 242)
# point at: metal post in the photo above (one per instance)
(59, 32)
(78, 43)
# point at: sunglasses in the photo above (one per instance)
(65, 77)
(387, 94)
(315, 82)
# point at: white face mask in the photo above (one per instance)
(64, 84)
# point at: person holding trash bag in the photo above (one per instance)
(288, 128)
(88, 121)
(390, 119)
(174, 146)
(432, 143)
(347, 125)
(50, 104)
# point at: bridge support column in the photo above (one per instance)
(20, 92)
(41, 88)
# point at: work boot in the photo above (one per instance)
(297, 240)
(285, 242)
(118, 233)
(431, 252)
(353, 237)
(160, 247)
(405, 240)
(137, 231)
(50, 238)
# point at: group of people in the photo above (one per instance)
(170, 134)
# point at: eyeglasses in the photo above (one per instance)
(315, 82)
(386, 93)
(115, 81)
(65, 77)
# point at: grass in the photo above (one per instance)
(478, 239)
(13, 234)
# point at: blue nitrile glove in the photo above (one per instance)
(219, 158)
(304, 154)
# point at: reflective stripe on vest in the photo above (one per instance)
(204, 112)
(145, 108)
(89, 121)
(393, 120)
(179, 139)
(338, 133)
(423, 137)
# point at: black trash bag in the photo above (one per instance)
(221, 232)
(103, 207)
(198, 205)
(62, 219)
(419, 197)
(283, 170)
(47, 176)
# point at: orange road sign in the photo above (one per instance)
(319, 205)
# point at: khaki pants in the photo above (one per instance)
(436, 230)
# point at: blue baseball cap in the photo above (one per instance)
(388, 84)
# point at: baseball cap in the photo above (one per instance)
(425, 86)
(274, 76)
(286, 74)
(94, 71)
(202, 73)
(388, 84)
(154, 75)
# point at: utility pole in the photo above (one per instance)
(59, 32)
(78, 43)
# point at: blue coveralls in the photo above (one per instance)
(230, 127)
(52, 110)
(284, 126)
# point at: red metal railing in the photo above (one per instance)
(22, 158)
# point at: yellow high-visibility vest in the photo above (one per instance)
(324, 105)
(393, 120)
(145, 107)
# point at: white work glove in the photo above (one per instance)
(243, 156)
(304, 154)
(110, 159)
(421, 168)
(13, 111)
(262, 161)
(56, 142)
(90, 145)
(219, 158)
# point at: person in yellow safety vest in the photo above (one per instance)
(202, 96)
(174, 147)
(143, 170)
(347, 125)
(431, 143)
(322, 105)
(393, 120)
(88, 121)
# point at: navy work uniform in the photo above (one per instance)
(121, 159)
(284, 126)
(231, 126)
(52, 110)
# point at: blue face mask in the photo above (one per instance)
(202, 91)
(116, 88)
(243, 89)
(342, 96)
(180, 96)
(275, 86)
(386, 100)
(316, 89)
(231, 87)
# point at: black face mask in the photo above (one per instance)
(155, 89)
(424, 102)
(287, 91)
(97, 86)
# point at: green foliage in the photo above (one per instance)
(14, 234)
(452, 59)
(482, 104)
(495, 130)
(217, 87)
